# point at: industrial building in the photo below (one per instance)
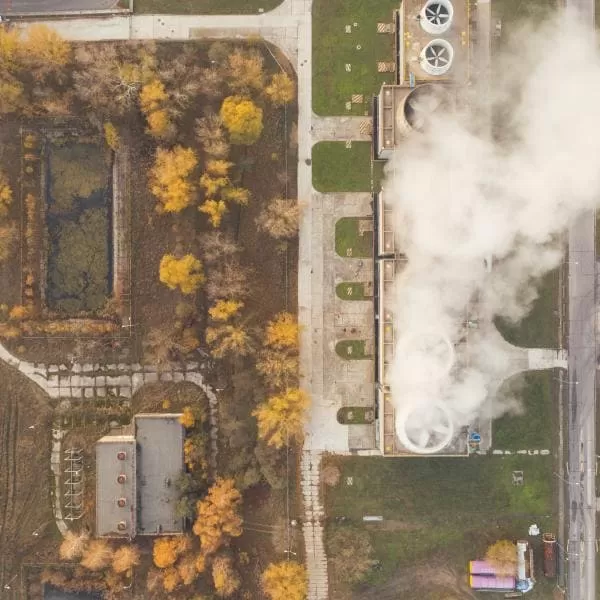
(136, 475)
(433, 58)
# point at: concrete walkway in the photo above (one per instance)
(341, 129)
(56, 467)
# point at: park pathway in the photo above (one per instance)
(344, 129)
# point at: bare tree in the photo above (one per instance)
(280, 218)
(216, 246)
(228, 280)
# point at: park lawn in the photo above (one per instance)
(203, 7)
(533, 429)
(352, 349)
(441, 510)
(348, 242)
(333, 49)
(352, 290)
(337, 168)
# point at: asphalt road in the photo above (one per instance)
(581, 387)
(8, 7)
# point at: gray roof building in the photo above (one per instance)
(160, 463)
(136, 478)
(116, 486)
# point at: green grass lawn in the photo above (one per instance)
(352, 290)
(203, 7)
(540, 327)
(348, 415)
(333, 49)
(534, 428)
(337, 168)
(352, 349)
(443, 510)
(348, 241)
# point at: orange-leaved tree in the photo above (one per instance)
(186, 272)
(97, 555)
(126, 557)
(73, 545)
(170, 178)
(187, 418)
(281, 417)
(218, 517)
(281, 90)
(243, 119)
(214, 209)
(285, 581)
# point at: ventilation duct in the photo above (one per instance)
(436, 57)
(436, 16)
(419, 106)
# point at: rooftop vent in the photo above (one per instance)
(436, 16)
(122, 455)
(436, 57)
(121, 525)
(121, 502)
(122, 478)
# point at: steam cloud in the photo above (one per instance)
(460, 198)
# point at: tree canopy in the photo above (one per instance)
(243, 119)
(186, 272)
(285, 581)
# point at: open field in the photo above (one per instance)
(25, 478)
(203, 7)
(339, 168)
(534, 427)
(361, 48)
(437, 513)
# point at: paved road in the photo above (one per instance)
(582, 410)
(8, 7)
(582, 387)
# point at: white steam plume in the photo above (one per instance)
(460, 198)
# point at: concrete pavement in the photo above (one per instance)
(18, 7)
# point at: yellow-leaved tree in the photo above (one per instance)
(282, 332)
(170, 178)
(97, 555)
(111, 135)
(281, 417)
(46, 48)
(6, 195)
(187, 418)
(285, 581)
(245, 70)
(281, 90)
(503, 556)
(229, 341)
(223, 310)
(214, 209)
(243, 119)
(186, 272)
(73, 545)
(152, 96)
(218, 517)
(225, 577)
(167, 550)
(10, 48)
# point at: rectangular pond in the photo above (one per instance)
(78, 216)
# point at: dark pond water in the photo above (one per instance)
(78, 218)
(51, 593)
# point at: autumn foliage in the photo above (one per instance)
(97, 555)
(226, 341)
(73, 545)
(167, 550)
(218, 516)
(503, 556)
(281, 417)
(281, 90)
(170, 178)
(285, 581)
(126, 557)
(187, 418)
(282, 332)
(185, 273)
(223, 310)
(243, 119)
(225, 578)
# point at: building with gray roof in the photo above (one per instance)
(136, 476)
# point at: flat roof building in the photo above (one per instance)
(136, 478)
(115, 486)
(160, 463)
